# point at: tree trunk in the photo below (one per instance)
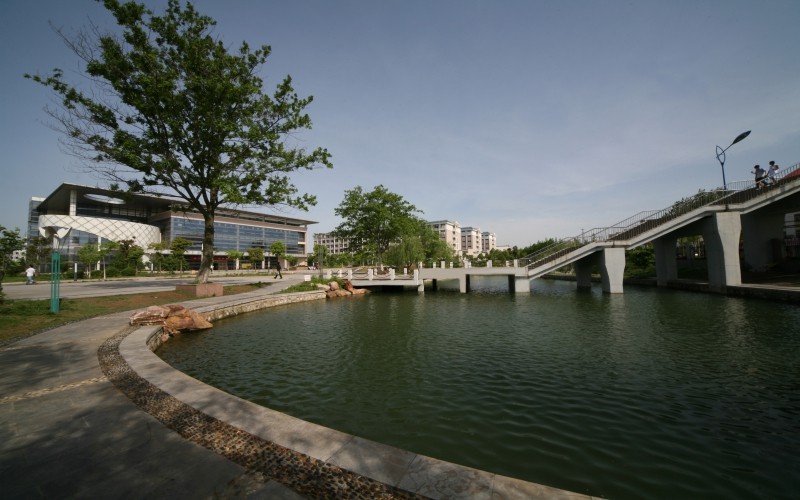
(208, 249)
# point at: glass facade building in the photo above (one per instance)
(234, 236)
(75, 215)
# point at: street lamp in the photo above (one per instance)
(721, 156)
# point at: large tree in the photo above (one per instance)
(374, 220)
(171, 111)
(421, 244)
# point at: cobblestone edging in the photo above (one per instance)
(307, 476)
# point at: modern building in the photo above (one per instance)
(449, 232)
(75, 215)
(33, 218)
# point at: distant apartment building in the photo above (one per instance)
(488, 241)
(449, 232)
(471, 241)
(334, 244)
(463, 240)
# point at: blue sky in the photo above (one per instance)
(530, 119)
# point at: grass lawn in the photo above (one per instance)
(21, 318)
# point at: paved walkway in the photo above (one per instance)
(67, 431)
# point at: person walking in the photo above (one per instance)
(29, 274)
(278, 270)
(771, 171)
(760, 175)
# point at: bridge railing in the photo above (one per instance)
(744, 191)
(736, 192)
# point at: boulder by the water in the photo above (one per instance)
(175, 318)
(153, 315)
(348, 291)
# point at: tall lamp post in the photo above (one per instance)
(721, 156)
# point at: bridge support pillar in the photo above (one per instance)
(521, 285)
(722, 250)
(666, 260)
(759, 230)
(583, 272)
(612, 268)
(463, 284)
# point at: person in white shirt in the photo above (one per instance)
(771, 171)
(29, 274)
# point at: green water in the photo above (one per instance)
(647, 394)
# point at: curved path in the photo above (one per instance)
(88, 410)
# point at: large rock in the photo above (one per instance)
(174, 318)
(153, 315)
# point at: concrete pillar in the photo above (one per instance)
(612, 268)
(420, 282)
(666, 260)
(522, 285)
(722, 250)
(759, 229)
(583, 271)
(463, 284)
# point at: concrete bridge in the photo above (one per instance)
(741, 213)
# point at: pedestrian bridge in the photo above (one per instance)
(740, 213)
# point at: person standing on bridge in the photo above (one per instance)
(773, 169)
(760, 176)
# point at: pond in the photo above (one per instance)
(648, 394)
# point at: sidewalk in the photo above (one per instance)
(67, 432)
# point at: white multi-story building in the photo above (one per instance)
(470, 241)
(449, 232)
(488, 241)
(334, 244)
